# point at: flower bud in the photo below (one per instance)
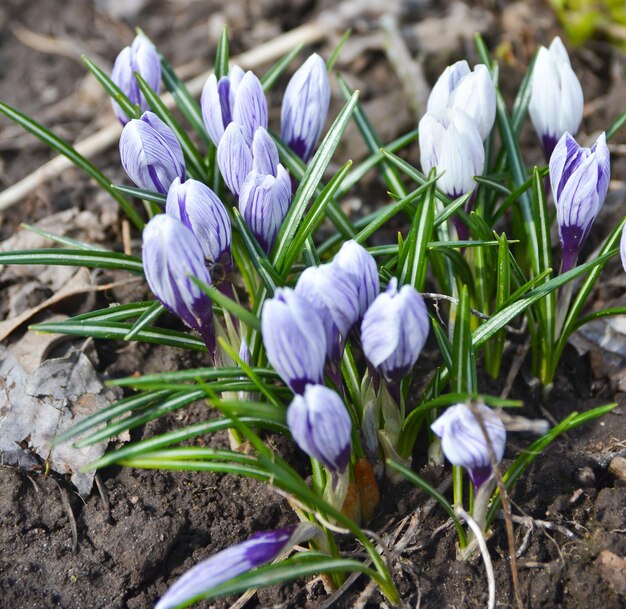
(320, 424)
(450, 142)
(580, 180)
(234, 158)
(263, 203)
(472, 92)
(140, 57)
(556, 102)
(305, 107)
(464, 443)
(171, 256)
(329, 290)
(150, 153)
(394, 330)
(361, 268)
(200, 210)
(294, 339)
(256, 551)
(237, 97)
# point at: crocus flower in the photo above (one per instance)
(320, 424)
(171, 256)
(472, 92)
(236, 158)
(464, 443)
(140, 57)
(362, 271)
(264, 202)
(200, 210)
(580, 180)
(237, 97)
(330, 291)
(294, 339)
(150, 153)
(556, 102)
(305, 107)
(622, 247)
(394, 330)
(256, 551)
(450, 142)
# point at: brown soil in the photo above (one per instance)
(155, 525)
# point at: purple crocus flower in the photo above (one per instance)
(394, 330)
(330, 291)
(200, 210)
(263, 202)
(556, 102)
(580, 180)
(463, 441)
(472, 92)
(305, 107)
(237, 97)
(256, 551)
(450, 142)
(362, 271)
(294, 339)
(150, 153)
(320, 424)
(140, 57)
(171, 256)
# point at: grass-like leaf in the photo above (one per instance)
(65, 257)
(141, 193)
(268, 80)
(200, 374)
(148, 317)
(67, 241)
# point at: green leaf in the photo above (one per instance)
(313, 218)
(193, 159)
(222, 55)
(67, 150)
(146, 319)
(66, 257)
(334, 56)
(110, 330)
(116, 312)
(141, 193)
(310, 182)
(413, 259)
(463, 371)
(131, 110)
(229, 305)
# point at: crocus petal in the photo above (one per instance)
(305, 107)
(320, 424)
(394, 330)
(199, 209)
(150, 153)
(256, 551)
(441, 95)
(362, 271)
(476, 96)
(294, 339)
(171, 256)
(264, 153)
(463, 441)
(556, 103)
(234, 158)
(329, 290)
(250, 107)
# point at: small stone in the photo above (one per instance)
(613, 570)
(618, 468)
(586, 476)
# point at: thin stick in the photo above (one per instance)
(482, 545)
(109, 135)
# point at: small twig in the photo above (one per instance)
(518, 360)
(105, 498)
(70, 514)
(484, 552)
(474, 312)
